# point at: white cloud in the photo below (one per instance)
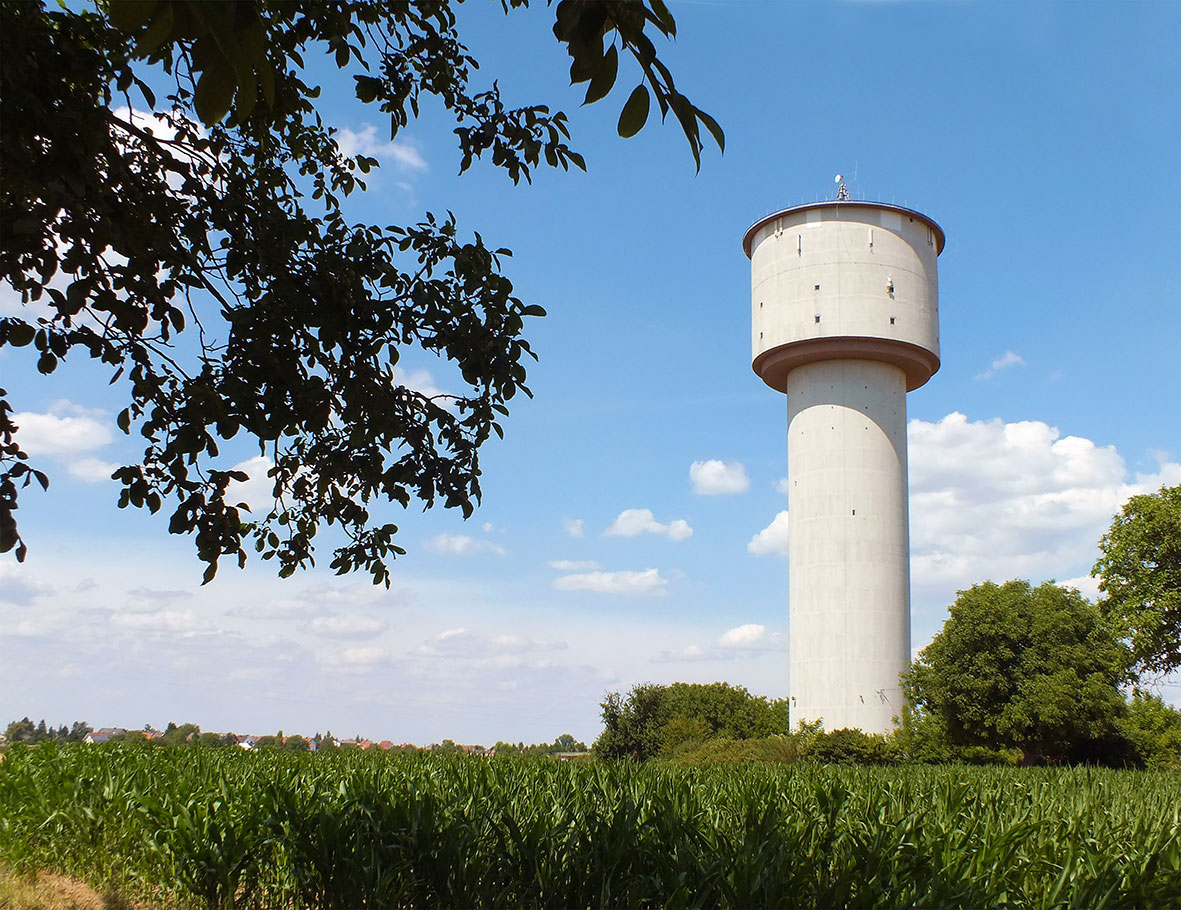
(648, 582)
(632, 522)
(91, 470)
(366, 143)
(477, 649)
(25, 628)
(157, 621)
(1007, 359)
(573, 565)
(359, 657)
(153, 123)
(258, 491)
(148, 600)
(781, 485)
(520, 644)
(18, 586)
(419, 381)
(744, 636)
(278, 609)
(681, 655)
(346, 626)
(50, 434)
(996, 500)
(573, 526)
(772, 539)
(462, 545)
(718, 478)
(1084, 584)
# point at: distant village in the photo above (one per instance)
(564, 748)
(294, 742)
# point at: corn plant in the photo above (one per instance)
(224, 829)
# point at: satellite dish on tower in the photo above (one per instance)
(842, 191)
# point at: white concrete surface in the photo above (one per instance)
(848, 542)
(845, 321)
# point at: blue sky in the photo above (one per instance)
(1043, 137)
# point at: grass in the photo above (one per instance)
(223, 828)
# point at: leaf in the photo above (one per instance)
(159, 31)
(149, 95)
(667, 22)
(247, 96)
(714, 129)
(215, 94)
(635, 112)
(604, 79)
(19, 333)
(367, 88)
(266, 80)
(129, 15)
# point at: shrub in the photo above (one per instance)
(846, 746)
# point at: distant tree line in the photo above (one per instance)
(191, 735)
(564, 744)
(25, 731)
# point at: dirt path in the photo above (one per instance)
(48, 891)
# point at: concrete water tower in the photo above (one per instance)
(845, 321)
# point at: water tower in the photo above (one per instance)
(845, 321)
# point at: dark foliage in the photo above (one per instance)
(215, 212)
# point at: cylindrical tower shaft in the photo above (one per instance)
(848, 543)
(845, 321)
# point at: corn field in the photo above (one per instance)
(222, 828)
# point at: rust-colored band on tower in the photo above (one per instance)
(918, 363)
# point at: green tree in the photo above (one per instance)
(1014, 666)
(567, 743)
(654, 719)
(21, 731)
(1139, 571)
(219, 208)
(296, 743)
(1154, 730)
(181, 735)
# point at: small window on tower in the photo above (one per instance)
(817, 318)
(891, 320)
(818, 287)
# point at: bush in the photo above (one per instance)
(779, 748)
(1153, 729)
(657, 721)
(848, 746)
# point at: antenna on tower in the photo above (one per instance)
(842, 190)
